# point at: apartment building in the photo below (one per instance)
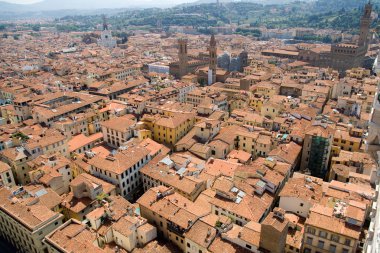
(85, 193)
(52, 171)
(169, 129)
(316, 149)
(121, 169)
(164, 171)
(258, 144)
(171, 213)
(24, 224)
(344, 141)
(300, 194)
(199, 96)
(17, 159)
(51, 108)
(183, 90)
(6, 175)
(231, 200)
(324, 232)
(274, 230)
(118, 130)
(71, 126)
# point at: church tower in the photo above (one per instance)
(106, 39)
(182, 56)
(212, 61)
(105, 26)
(365, 23)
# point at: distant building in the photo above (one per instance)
(212, 61)
(158, 67)
(342, 56)
(233, 62)
(185, 64)
(106, 39)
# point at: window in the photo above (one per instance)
(309, 240)
(307, 250)
(322, 234)
(311, 230)
(335, 238)
(347, 242)
(188, 245)
(321, 244)
(248, 246)
(301, 204)
(345, 250)
(332, 248)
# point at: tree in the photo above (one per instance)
(2, 27)
(36, 28)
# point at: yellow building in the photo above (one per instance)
(169, 129)
(17, 159)
(255, 143)
(344, 141)
(326, 233)
(266, 89)
(256, 102)
(271, 110)
(245, 118)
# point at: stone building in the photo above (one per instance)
(212, 61)
(185, 64)
(106, 39)
(233, 61)
(342, 56)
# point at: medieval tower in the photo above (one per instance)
(212, 61)
(365, 23)
(182, 57)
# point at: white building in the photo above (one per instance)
(121, 169)
(158, 67)
(300, 193)
(106, 39)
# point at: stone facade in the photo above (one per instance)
(342, 56)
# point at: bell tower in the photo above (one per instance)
(212, 61)
(182, 57)
(365, 23)
(105, 25)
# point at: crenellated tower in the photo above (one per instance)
(212, 61)
(182, 57)
(365, 23)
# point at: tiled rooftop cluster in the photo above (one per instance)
(107, 148)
